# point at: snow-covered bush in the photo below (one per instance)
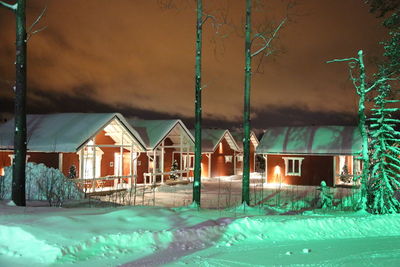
(325, 196)
(42, 183)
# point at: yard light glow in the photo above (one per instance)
(277, 171)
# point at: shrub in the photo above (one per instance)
(42, 183)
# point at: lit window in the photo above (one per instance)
(293, 166)
(240, 158)
(188, 161)
(91, 161)
(228, 159)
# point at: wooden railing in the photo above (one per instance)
(100, 182)
(152, 176)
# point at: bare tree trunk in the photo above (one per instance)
(197, 150)
(18, 183)
(246, 113)
(363, 130)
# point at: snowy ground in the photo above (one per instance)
(224, 192)
(152, 236)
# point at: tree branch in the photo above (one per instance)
(206, 18)
(380, 81)
(354, 80)
(30, 30)
(342, 60)
(9, 6)
(268, 42)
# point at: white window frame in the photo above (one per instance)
(240, 158)
(188, 161)
(228, 158)
(293, 172)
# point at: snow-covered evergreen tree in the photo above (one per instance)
(345, 175)
(385, 156)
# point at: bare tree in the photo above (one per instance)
(198, 118)
(18, 183)
(201, 19)
(265, 38)
(20, 88)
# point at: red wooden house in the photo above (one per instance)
(219, 150)
(308, 155)
(166, 142)
(92, 146)
(238, 136)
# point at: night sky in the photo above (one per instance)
(137, 58)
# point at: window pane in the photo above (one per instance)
(296, 166)
(290, 167)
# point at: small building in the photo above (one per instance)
(308, 155)
(81, 145)
(219, 151)
(167, 142)
(238, 136)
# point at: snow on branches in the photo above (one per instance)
(385, 156)
(9, 6)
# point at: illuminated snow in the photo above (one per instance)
(152, 236)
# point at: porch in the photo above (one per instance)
(107, 161)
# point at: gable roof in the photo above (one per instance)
(210, 138)
(152, 132)
(238, 136)
(62, 132)
(327, 140)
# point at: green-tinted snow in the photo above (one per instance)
(149, 236)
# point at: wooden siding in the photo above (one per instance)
(218, 165)
(239, 164)
(5, 160)
(204, 165)
(314, 169)
(142, 167)
(70, 159)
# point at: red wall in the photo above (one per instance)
(252, 156)
(143, 167)
(70, 159)
(218, 165)
(204, 165)
(5, 160)
(48, 159)
(314, 169)
(239, 164)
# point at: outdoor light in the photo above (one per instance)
(277, 171)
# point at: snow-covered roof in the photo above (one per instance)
(210, 138)
(63, 132)
(238, 136)
(328, 140)
(152, 132)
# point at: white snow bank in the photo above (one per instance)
(22, 246)
(150, 236)
(279, 228)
